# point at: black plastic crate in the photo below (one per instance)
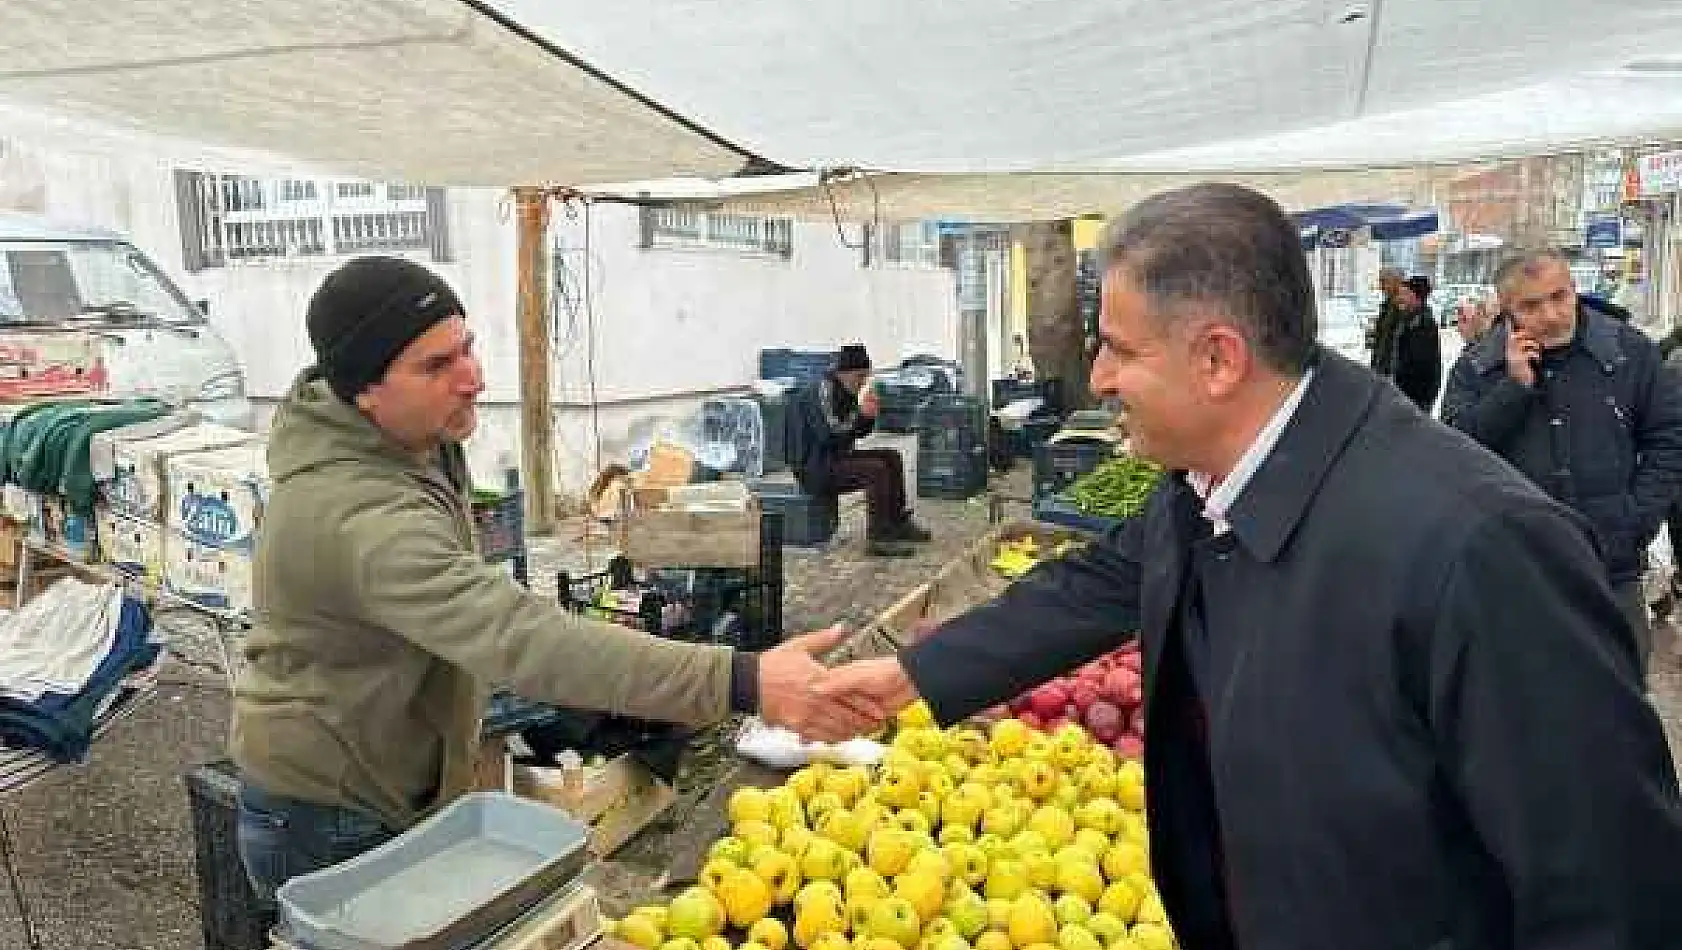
(800, 365)
(231, 915)
(1007, 391)
(1032, 434)
(953, 476)
(1058, 464)
(807, 520)
(952, 424)
(773, 412)
(900, 413)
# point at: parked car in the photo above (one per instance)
(84, 310)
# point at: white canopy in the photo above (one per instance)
(583, 92)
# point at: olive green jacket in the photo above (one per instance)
(379, 628)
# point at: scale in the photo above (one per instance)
(570, 919)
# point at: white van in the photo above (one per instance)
(63, 283)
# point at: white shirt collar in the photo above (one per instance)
(1219, 499)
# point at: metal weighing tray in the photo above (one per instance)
(446, 884)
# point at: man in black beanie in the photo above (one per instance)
(826, 419)
(379, 626)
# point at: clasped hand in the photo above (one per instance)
(829, 704)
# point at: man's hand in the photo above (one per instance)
(869, 403)
(792, 694)
(1522, 352)
(881, 681)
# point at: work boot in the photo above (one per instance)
(888, 548)
(909, 530)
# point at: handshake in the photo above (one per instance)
(829, 704)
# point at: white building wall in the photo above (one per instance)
(670, 326)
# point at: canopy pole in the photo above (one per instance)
(537, 427)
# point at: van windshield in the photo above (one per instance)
(50, 282)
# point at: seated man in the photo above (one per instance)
(826, 418)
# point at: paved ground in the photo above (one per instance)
(101, 856)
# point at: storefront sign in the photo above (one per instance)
(1603, 232)
(1661, 173)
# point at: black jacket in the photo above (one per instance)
(1602, 433)
(823, 423)
(1426, 729)
(1418, 364)
(1383, 339)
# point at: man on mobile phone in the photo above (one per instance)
(1579, 401)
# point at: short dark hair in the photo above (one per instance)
(1228, 246)
(1523, 260)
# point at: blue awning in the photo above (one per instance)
(1332, 226)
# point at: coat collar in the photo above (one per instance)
(1599, 337)
(1278, 495)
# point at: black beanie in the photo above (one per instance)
(366, 312)
(853, 356)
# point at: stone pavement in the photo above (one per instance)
(102, 855)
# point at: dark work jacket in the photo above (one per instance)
(1602, 433)
(1418, 364)
(1425, 728)
(823, 423)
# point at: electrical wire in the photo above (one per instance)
(825, 178)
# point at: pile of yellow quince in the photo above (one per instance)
(961, 839)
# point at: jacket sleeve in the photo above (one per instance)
(1658, 447)
(1061, 614)
(1490, 414)
(1536, 708)
(412, 576)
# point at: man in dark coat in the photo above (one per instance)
(1390, 699)
(826, 419)
(1381, 342)
(1417, 365)
(1579, 401)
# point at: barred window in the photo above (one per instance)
(910, 243)
(690, 226)
(232, 218)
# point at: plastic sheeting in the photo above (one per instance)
(581, 92)
(428, 91)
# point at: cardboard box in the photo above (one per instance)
(216, 497)
(139, 488)
(216, 578)
(50, 364)
(131, 545)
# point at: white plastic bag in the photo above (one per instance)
(779, 748)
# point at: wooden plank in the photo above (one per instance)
(537, 424)
(693, 538)
(710, 820)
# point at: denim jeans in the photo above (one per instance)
(283, 838)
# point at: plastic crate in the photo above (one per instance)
(1049, 391)
(952, 424)
(231, 915)
(799, 365)
(952, 476)
(807, 520)
(900, 413)
(773, 409)
(1059, 511)
(500, 520)
(1058, 464)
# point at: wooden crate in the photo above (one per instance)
(657, 538)
(963, 582)
(617, 800)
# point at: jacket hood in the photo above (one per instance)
(314, 429)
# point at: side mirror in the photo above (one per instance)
(203, 304)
